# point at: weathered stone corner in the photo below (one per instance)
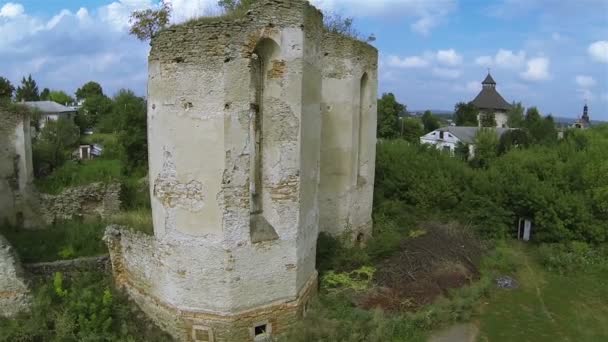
(14, 293)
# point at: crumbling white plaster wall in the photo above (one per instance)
(202, 257)
(14, 292)
(348, 149)
(16, 169)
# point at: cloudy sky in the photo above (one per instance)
(434, 53)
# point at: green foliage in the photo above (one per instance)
(55, 144)
(515, 115)
(429, 122)
(146, 23)
(389, 111)
(465, 114)
(28, 90)
(487, 119)
(83, 308)
(334, 254)
(6, 89)
(562, 187)
(486, 147)
(357, 280)
(80, 173)
(573, 256)
(94, 109)
(514, 139)
(89, 89)
(411, 129)
(65, 240)
(60, 96)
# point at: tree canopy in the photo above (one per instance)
(28, 90)
(430, 122)
(465, 114)
(146, 23)
(6, 88)
(89, 89)
(389, 112)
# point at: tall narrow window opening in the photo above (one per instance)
(363, 130)
(261, 63)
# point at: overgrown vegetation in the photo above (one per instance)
(83, 308)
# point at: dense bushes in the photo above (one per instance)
(85, 308)
(563, 187)
(75, 173)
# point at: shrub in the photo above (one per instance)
(85, 308)
(573, 256)
(80, 173)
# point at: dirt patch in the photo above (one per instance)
(433, 260)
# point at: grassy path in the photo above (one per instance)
(547, 306)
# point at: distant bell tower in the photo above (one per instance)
(585, 118)
(489, 81)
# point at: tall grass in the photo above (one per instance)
(80, 173)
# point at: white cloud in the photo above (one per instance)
(407, 62)
(585, 81)
(448, 74)
(537, 69)
(504, 59)
(599, 51)
(11, 10)
(426, 14)
(449, 57)
(510, 60)
(486, 61)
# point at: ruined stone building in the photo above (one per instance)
(16, 168)
(261, 134)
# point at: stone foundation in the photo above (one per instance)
(185, 323)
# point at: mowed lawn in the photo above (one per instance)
(547, 306)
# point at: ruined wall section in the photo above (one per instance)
(14, 292)
(17, 195)
(348, 149)
(203, 261)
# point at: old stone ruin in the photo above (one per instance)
(261, 135)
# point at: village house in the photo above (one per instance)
(448, 138)
(489, 101)
(51, 111)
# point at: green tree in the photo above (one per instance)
(515, 115)
(389, 111)
(532, 116)
(430, 122)
(486, 147)
(89, 89)
(60, 96)
(6, 88)
(516, 138)
(128, 119)
(465, 114)
(44, 95)
(145, 24)
(93, 110)
(411, 130)
(28, 90)
(54, 145)
(487, 119)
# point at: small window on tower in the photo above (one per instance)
(262, 331)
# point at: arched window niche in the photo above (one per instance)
(266, 51)
(362, 121)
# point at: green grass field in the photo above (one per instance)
(547, 306)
